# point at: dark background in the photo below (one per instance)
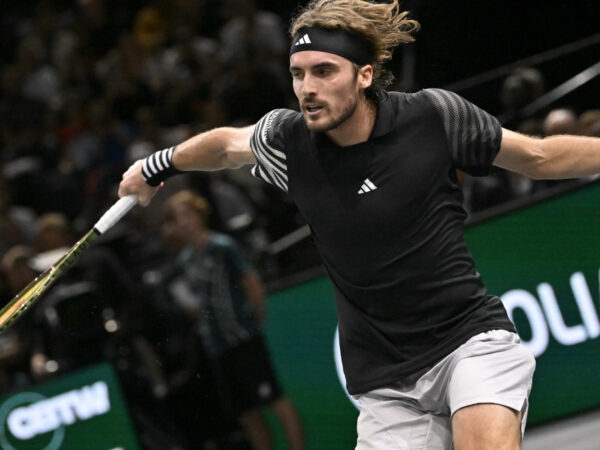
(458, 39)
(462, 38)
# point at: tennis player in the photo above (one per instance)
(432, 358)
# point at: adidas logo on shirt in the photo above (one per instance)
(304, 40)
(367, 186)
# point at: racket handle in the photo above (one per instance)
(115, 213)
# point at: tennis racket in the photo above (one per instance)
(32, 292)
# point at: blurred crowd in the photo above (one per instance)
(90, 86)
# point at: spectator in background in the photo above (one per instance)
(16, 271)
(16, 343)
(52, 239)
(224, 301)
(70, 319)
(589, 123)
(521, 87)
(560, 121)
(249, 30)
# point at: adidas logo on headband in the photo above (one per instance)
(304, 40)
(352, 46)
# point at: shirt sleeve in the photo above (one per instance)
(474, 136)
(267, 145)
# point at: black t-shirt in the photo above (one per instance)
(387, 218)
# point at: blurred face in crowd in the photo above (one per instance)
(183, 225)
(15, 266)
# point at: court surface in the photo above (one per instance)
(576, 433)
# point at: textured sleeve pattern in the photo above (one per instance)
(473, 135)
(267, 145)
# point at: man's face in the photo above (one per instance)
(327, 87)
(182, 226)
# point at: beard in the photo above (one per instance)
(333, 122)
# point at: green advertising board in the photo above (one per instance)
(543, 260)
(301, 329)
(81, 410)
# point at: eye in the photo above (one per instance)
(296, 74)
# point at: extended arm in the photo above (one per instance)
(553, 157)
(220, 148)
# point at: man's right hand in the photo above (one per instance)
(133, 183)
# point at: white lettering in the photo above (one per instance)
(20, 424)
(41, 417)
(93, 401)
(47, 419)
(64, 409)
(519, 298)
(562, 333)
(585, 304)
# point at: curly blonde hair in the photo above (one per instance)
(384, 25)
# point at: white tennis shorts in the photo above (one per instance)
(491, 367)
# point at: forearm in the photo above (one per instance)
(220, 148)
(569, 157)
(553, 157)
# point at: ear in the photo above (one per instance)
(365, 76)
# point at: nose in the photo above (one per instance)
(309, 86)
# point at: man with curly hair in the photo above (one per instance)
(431, 357)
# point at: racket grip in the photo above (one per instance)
(115, 213)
